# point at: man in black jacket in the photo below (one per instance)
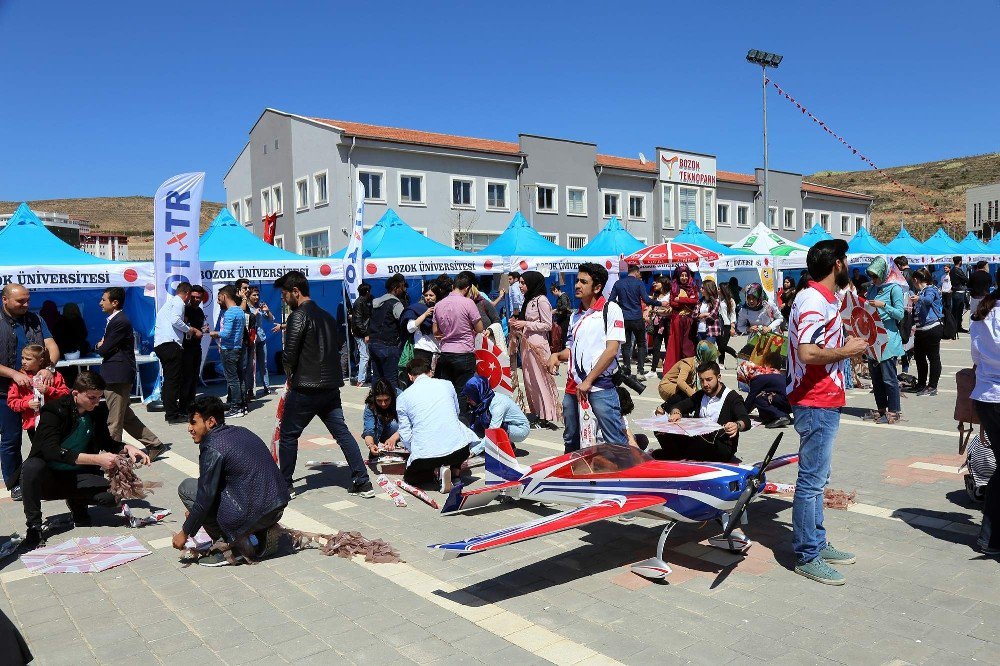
(713, 401)
(630, 294)
(312, 366)
(385, 333)
(194, 317)
(72, 446)
(117, 348)
(959, 290)
(239, 494)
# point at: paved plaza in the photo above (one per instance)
(918, 593)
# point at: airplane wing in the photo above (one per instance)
(557, 522)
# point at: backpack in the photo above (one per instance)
(361, 318)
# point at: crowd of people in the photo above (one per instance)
(428, 405)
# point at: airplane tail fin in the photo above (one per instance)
(501, 461)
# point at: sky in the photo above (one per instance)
(113, 98)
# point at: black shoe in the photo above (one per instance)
(177, 419)
(15, 493)
(783, 422)
(155, 452)
(365, 490)
(33, 539)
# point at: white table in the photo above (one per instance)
(90, 361)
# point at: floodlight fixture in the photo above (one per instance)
(763, 58)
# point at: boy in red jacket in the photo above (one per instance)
(29, 399)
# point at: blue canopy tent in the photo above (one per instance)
(55, 271)
(611, 241)
(904, 244)
(693, 234)
(994, 244)
(941, 244)
(814, 235)
(972, 245)
(864, 243)
(520, 239)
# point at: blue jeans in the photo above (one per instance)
(385, 362)
(362, 360)
(817, 428)
(10, 441)
(232, 360)
(608, 411)
(262, 377)
(885, 384)
(300, 408)
(702, 335)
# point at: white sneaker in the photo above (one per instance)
(446, 484)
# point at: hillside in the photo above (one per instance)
(940, 184)
(132, 216)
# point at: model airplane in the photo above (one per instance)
(605, 481)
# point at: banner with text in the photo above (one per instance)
(355, 247)
(96, 276)
(176, 214)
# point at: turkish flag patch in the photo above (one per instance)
(619, 324)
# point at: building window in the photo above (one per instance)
(372, 180)
(546, 199)
(668, 207)
(688, 200)
(246, 209)
(859, 223)
(612, 204)
(808, 217)
(845, 224)
(637, 206)
(552, 237)
(235, 206)
(411, 189)
(708, 197)
(824, 221)
(722, 213)
(463, 193)
(576, 201)
(277, 201)
(472, 241)
(265, 202)
(575, 241)
(279, 241)
(315, 244)
(302, 194)
(789, 219)
(321, 194)
(743, 216)
(496, 195)
(772, 217)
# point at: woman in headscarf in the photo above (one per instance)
(683, 301)
(493, 410)
(757, 313)
(887, 298)
(530, 335)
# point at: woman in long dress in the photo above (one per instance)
(683, 301)
(532, 327)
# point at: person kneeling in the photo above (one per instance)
(70, 448)
(239, 494)
(429, 427)
(713, 401)
(493, 410)
(766, 392)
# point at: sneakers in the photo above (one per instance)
(15, 493)
(236, 413)
(365, 490)
(215, 560)
(782, 422)
(821, 572)
(888, 418)
(446, 484)
(928, 392)
(155, 452)
(831, 555)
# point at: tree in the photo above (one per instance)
(461, 224)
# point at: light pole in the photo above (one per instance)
(765, 60)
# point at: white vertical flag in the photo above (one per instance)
(352, 258)
(176, 213)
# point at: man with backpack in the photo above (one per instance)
(361, 319)
(385, 333)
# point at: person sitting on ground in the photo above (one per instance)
(429, 427)
(767, 392)
(27, 400)
(757, 314)
(681, 381)
(493, 410)
(713, 401)
(239, 495)
(381, 424)
(70, 450)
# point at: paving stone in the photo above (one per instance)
(300, 647)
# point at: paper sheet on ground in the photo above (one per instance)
(692, 427)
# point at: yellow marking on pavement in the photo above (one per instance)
(491, 617)
(934, 467)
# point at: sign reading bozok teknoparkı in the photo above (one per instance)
(686, 168)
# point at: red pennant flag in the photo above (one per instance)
(270, 225)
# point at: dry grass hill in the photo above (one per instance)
(132, 216)
(941, 184)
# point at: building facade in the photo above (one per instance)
(463, 191)
(66, 228)
(982, 210)
(105, 246)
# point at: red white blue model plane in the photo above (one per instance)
(605, 481)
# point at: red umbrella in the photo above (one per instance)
(670, 253)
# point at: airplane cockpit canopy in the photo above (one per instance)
(606, 458)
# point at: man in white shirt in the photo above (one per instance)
(429, 427)
(596, 331)
(168, 340)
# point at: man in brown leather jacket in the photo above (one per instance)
(311, 358)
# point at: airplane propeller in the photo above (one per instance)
(753, 485)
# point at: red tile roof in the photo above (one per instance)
(732, 177)
(399, 135)
(833, 191)
(626, 163)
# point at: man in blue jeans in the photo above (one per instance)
(311, 358)
(385, 332)
(815, 386)
(596, 331)
(230, 338)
